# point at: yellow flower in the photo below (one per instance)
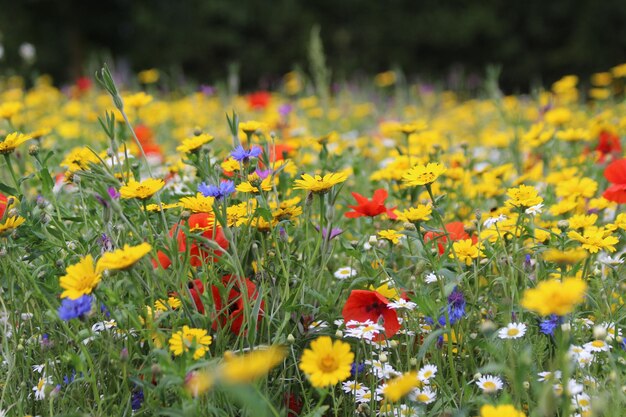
(555, 297)
(619, 71)
(230, 165)
(79, 159)
(157, 208)
(582, 221)
(565, 257)
(465, 251)
(500, 411)
(386, 290)
(194, 143)
(414, 214)
(10, 109)
(190, 340)
(12, 141)
(523, 196)
(251, 126)
(243, 369)
(149, 76)
(400, 386)
(11, 224)
(573, 135)
(122, 258)
(163, 305)
(198, 204)
(326, 362)
(199, 382)
(319, 184)
(423, 174)
(138, 99)
(79, 279)
(385, 79)
(141, 190)
(391, 235)
(575, 187)
(594, 239)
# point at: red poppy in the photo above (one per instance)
(144, 134)
(293, 404)
(608, 143)
(231, 310)
(370, 208)
(259, 100)
(196, 289)
(3, 204)
(83, 84)
(455, 230)
(198, 253)
(363, 305)
(615, 173)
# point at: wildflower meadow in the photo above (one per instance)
(374, 249)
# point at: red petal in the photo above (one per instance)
(615, 172)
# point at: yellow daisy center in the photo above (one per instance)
(328, 364)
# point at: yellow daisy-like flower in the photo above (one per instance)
(423, 174)
(230, 165)
(10, 109)
(123, 258)
(194, 143)
(79, 279)
(138, 99)
(199, 382)
(157, 208)
(11, 224)
(190, 340)
(565, 257)
(420, 213)
(79, 159)
(595, 239)
(465, 251)
(500, 411)
(171, 303)
(391, 235)
(12, 141)
(141, 190)
(400, 386)
(251, 127)
(326, 362)
(319, 184)
(555, 297)
(198, 204)
(523, 196)
(243, 369)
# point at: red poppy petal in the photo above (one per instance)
(615, 172)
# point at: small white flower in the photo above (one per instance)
(597, 346)
(39, 368)
(353, 387)
(427, 373)
(367, 330)
(549, 376)
(381, 370)
(536, 209)
(610, 331)
(608, 260)
(430, 278)
(345, 272)
(26, 316)
(493, 220)
(402, 303)
(489, 384)
(584, 358)
(40, 388)
(365, 396)
(424, 396)
(582, 401)
(574, 387)
(512, 331)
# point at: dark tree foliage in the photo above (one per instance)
(533, 40)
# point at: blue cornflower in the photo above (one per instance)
(218, 191)
(137, 399)
(71, 309)
(547, 326)
(241, 155)
(356, 369)
(456, 305)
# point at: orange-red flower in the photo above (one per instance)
(198, 252)
(363, 305)
(615, 173)
(454, 230)
(259, 100)
(608, 144)
(231, 309)
(370, 208)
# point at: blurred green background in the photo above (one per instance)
(534, 41)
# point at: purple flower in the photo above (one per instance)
(113, 193)
(207, 90)
(137, 399)
(242, 155)
(356, 369)
(105, 242)
(218, 191)
(71, 309)
(263, 173)
(549, 325)
(285, 109)
(456, 308)
(333, 233)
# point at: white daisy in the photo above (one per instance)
(549, 376)
(424, 396)
(367, 330)
(426, 373)
(402, 303)
(610, 330)
(40, 388)
(536, 209)
(574, 387)
(353, 387)
(39, 368)
(584, 358)
(512, 331)
(381, 370)
(430, 278)
(345, 272)
(489, 384)
(493, 220)
(597, 346)
(365, 396)
(582, 401)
